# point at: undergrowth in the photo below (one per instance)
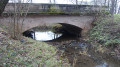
(106, 31)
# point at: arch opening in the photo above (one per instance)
(64, 32)
(71, 29)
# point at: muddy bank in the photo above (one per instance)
(82, 54)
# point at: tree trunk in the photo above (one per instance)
(112, 8)
(118, 10)
(95, 2)
(54, 2)
(50, 1)
(108, 4)
(115, 10)
(2, 5)
(105, 2)
(76, 2)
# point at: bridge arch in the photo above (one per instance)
(83, 22)
(65, 29)
(71, 29)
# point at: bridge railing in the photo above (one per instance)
(54, 8)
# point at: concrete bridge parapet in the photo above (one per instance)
(53, 8)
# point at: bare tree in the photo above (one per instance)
(2, 5)
(50, 1)
(113, 5)
(76, 2)
(72, 1)
(116, 3)
(105, 2)
(17, 18)
(54, 1)
(118, 9)
(95, 2)
(108, 4)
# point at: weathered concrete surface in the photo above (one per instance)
(83, 22)
(64, 8)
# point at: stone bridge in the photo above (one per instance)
(62, 14)
(83, 22)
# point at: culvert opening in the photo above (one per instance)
(54, 32)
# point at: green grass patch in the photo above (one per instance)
(29, 54)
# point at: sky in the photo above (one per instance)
(57, 1)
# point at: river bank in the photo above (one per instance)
(27, 52)
(106, 35)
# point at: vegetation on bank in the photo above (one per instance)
(27, 53)
(106, 32)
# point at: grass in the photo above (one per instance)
(30, 53)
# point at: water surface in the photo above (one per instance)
(46, 35)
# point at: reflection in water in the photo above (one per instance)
(45, 36)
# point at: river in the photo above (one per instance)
(78, 52)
